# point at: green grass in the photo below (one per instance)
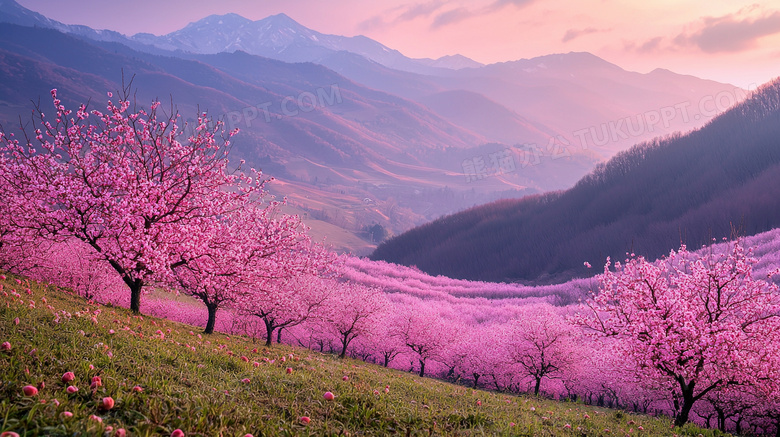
(201, 391)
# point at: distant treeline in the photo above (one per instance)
(648, 200)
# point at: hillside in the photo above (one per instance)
(162, 376)
(683, 188)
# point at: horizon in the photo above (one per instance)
(731, 42)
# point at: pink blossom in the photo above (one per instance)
(6, 346)
(177, 433)
(68, 377)
(328, 396)
(72, 389)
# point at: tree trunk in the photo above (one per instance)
(538, 385)
(450, 373)
(688, 400)
(476, 379)
(135, 294)
(721, 420)
(269, 332)
(212, 308)
(422, 368)
(344, 345)
(279, 335)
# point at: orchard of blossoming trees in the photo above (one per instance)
(110, 203)
(149, 198)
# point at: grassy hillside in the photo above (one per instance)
(203, 386)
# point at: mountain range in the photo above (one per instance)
(356, 133)
(716, 182)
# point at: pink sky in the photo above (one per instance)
(736, 41)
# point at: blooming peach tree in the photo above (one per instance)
(699, 322)
(355, 311)
(543, 345)
(238, 253)
(129, 182)
(287, 302)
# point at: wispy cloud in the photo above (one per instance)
(420, 10)
(730, 33)
(451, 17)
(460, 14)
(650, 46)
(403, 13)
(576, 33)
(373, 23)
(501, 4)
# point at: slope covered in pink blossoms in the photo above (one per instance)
(122, 207)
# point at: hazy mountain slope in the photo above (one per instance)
(486, 117)
(361, 144)
(590, 99)
(646, 200)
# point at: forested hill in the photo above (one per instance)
(647, 200)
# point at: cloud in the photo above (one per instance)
(420, 10)
(373, 23)
(451, 17)
(576, 33)
(408, 12)
(731, 33)
(501, 4)
(651, 45)
(459, 14)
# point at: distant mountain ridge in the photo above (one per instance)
(281, 37)
(277, 36)
(648, 200)
(561, 95)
